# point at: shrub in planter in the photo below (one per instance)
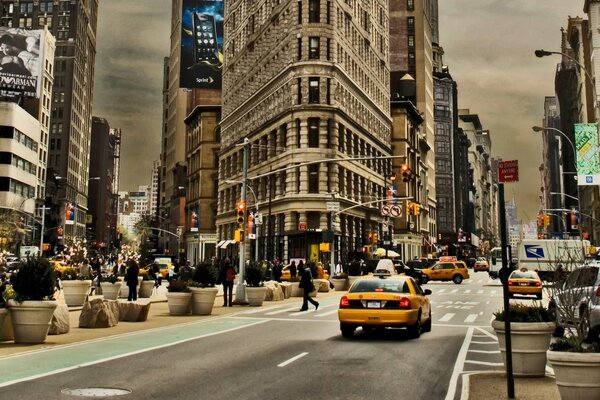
(254, 274)
(35, 279)
(525, 313)
(177, 286)
(179, 297)
(205, 275)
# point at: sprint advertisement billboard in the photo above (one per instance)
(588, 160)
(21, 55)
(201, 44)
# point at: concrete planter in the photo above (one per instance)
(340, 285)
(351, 280)
(75, 292)
(256, 295)
(322, 285)
(203, 300)
(179, 302)
(530, 341)
(577, 374)
(3, 314)
(145, 289)
(110, 291)
(31, 320)
(296, 291)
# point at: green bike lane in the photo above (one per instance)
(39, 363)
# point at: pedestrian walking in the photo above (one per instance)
(131, 278)
(277, 270)
(306, 283)
(320, 271)
(227, 276)
(293, 270)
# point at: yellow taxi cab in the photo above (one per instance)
(455, 271)
(60, 264)
(286, 275)
(481, 265)
(384, 300)
(164, 266)
(525, 282)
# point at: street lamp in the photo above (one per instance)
(389, 194)
(549, 128)
(544, 53)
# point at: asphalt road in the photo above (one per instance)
(276, 352)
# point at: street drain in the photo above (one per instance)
(96, 392)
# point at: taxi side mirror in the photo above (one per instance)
(427, 292)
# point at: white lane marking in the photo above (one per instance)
(446, 317)
(484, 342)
(467, 291)
(291, 360)
(494, 292)
(454, 291)
(471, 318)
(479, 291)
(440, 290)
(488, 334)
(327, 313)
(464, 393)
(484, 363)
(302, 312)
(485, 351)
(282, 311)
(459, 365)
(260, 310)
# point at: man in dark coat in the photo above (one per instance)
(306, 283)
(131, 278)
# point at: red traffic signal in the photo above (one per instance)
(406, 173)
(241, 212)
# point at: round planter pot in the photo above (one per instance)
(340, 285)
(75, 292)
(31, 320)
(203, 300)
(256, 295)
(296, 291)
(179, 302)
(577, 374)
(110, 291)
(530, 341)
(3, 314)
(145, 289)
(322, 285)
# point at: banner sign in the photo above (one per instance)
(194, 221)
(508, 171)
(588, 161)
(21, 55)
(70, 213)
(392, 195)
(201, 44)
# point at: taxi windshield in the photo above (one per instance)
(380, 285)
(523, 275)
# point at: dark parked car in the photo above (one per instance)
(413, 268)
(470, 262)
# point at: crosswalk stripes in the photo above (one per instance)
(447, 317)
(324, 314)
(282, 311)
(471, 317)
(259, 309)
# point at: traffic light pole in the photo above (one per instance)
(240, 293)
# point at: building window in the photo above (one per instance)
(314, 11)
(410, 5)
(313, 90)
(313, 132)
(313, 49)
(410, 22)
(313, 178)
(26, 8)
(299, 49)
(411, 41)
(300, 12)
(299, 81)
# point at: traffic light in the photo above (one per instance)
(370, 238)
(416, 209)
(237, 235)
(540, 220)
(241, 212)
(409, 207)
(405, 172)
(375, 238)
(546, 220)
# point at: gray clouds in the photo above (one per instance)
(489, 47)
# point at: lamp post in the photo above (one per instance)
(573, 149)
(240, 292)
(389, 193)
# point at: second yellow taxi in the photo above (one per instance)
(384, 300)
(524, 282)
(455, 271)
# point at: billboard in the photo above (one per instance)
(70, 213)
(588, 161)
(201, 44)
(21, 57)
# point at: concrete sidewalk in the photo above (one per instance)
(493, 386)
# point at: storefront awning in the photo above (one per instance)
(225, 243)
(220, 243)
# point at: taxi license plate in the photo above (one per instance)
(373, 304)
(524, 284)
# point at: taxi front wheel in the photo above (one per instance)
(457, 279)
(347, 330)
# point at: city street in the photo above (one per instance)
(275, 350)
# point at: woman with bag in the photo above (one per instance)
(306, 283)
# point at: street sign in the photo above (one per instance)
(385, 210)
(508, 171)
(251, 236)
(333, 206)
(302, 226)
(395, 211)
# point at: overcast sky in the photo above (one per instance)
(489, 48)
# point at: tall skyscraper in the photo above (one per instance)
(307, 84)
(73, 23)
